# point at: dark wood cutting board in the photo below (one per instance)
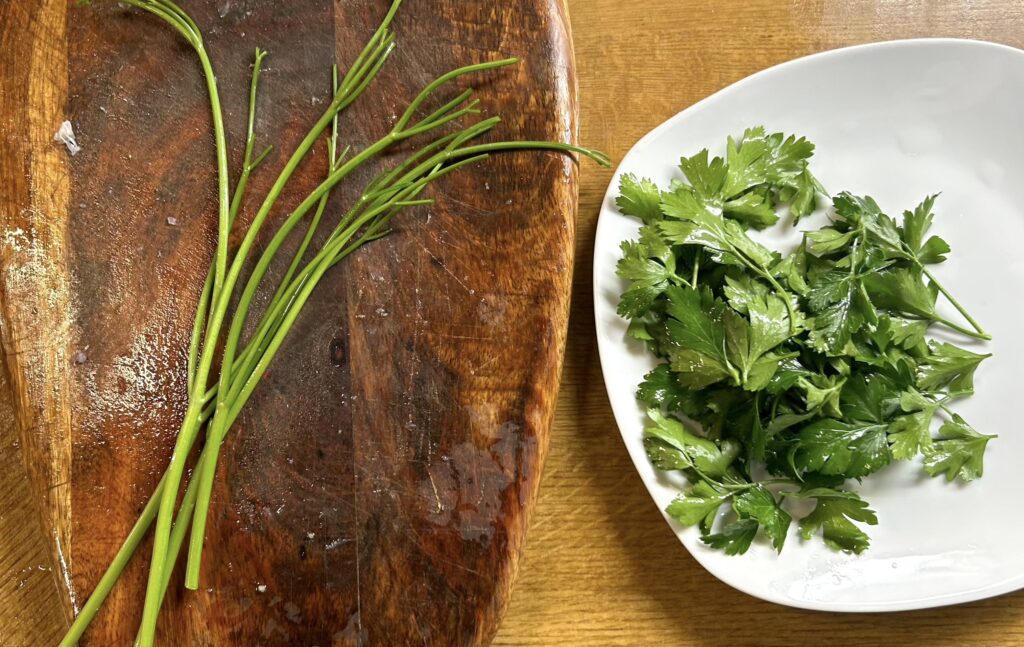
(378, 487)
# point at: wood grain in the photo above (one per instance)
(33, 255)
(378, 488)
(31, 612)
(601, 567)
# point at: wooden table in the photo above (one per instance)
(601, 567)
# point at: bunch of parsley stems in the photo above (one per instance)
(216, 403)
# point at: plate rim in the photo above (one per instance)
(606, 213)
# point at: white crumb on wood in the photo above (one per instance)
(66, 135)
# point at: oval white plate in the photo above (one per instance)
(897, 121)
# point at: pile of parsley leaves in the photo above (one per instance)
(786, 377)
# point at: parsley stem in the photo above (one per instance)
(221, 298)
(120, 561)
(248, 166)
(177, 18)
(965, 331)
(766, 273)
(981, 334)
(215, 434)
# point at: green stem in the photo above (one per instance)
(189, 428)
(181, 525)
(965, 331)
(223, 188)
(113, 572)
(218, 430)
(248, 166)
(197, 327)
(981, 334)
(221, 298)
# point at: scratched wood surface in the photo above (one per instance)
(378, 489)
(601, 567)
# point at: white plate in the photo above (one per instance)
(897, 121)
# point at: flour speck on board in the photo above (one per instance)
(66, 135)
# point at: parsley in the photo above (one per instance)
(814, 367)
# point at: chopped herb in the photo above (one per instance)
(814, 366)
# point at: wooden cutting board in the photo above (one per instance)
(380, 482)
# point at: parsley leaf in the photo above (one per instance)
(957, 452)
(834, 514)
(755, 209)
(725, 239)
(649, 276)
(948, 366)
(910, 433)
(815, 367)
(705, 178)
(660, 388)
(735, 538)
(841, 307)
(870, 398)
(697, 332)
(836, 447)
(698, 506)
(759, 504)
(639, 198)
(915, 225)
(902, 290)
(672, 445)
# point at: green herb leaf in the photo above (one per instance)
(705, 178)
(671, 438)
(902, 290)
(698, 506)
(841, 307)
(910, 433)
(834, 515)
(828, 240)
(836, 447)
(870, 398)
(957, 452)
(696, 329)
(915, 225)
(804, 199)
(948, 366)
(639, 198)
(735, 538)
(759, 504)
(650, 271)
(724, 239)
(661, 389)
(754, 209)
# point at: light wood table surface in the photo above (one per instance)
(601, 567)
